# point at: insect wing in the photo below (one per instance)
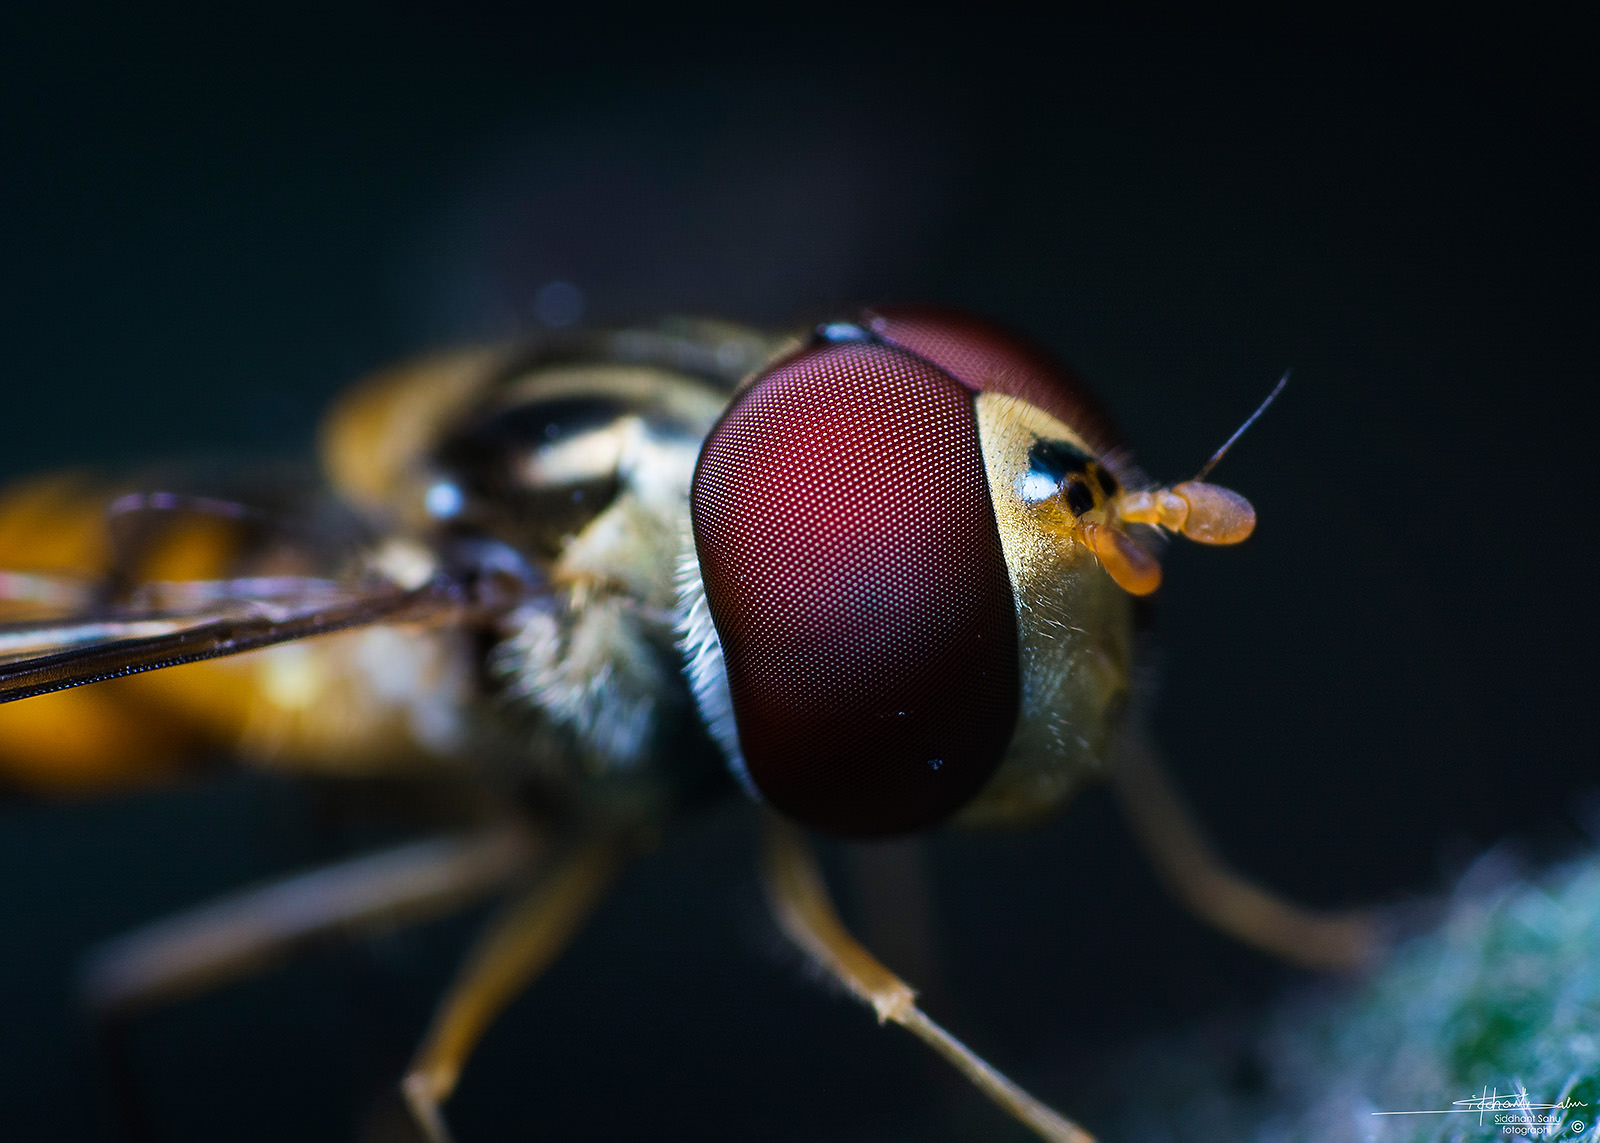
(37, 659)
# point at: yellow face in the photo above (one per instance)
(1074, 622)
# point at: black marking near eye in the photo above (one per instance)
(1108, 483)
(1080, 497)
(1056, 459)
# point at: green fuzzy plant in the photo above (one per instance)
(1485, 1024)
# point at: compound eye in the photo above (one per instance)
(853, 569)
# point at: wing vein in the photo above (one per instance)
(436, 601)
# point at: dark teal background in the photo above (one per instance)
(209, 225)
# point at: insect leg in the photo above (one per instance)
(515, 948)
(892, 883)
(801, 905)
(1199, 878)
(245, 932)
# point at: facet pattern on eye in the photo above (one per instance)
(987, 358)
(855, 573)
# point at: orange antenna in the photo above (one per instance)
(1239, 432)
(1205, 513)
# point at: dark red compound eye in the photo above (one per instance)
(989, 359)
(854, 572)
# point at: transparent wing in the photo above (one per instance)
(73, 614)
(38, 658)
(106, 582)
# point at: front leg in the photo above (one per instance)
(800, 903)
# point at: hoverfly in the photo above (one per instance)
(884, 575)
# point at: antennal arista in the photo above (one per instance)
(1206, 468)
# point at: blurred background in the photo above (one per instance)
(209, 225)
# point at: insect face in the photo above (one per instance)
(903, 533)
